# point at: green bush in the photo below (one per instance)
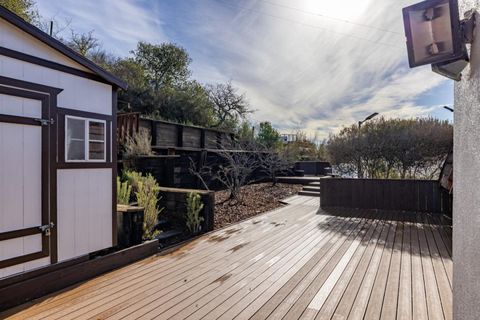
(146, 192)
(194, 206)
(132, 177)
(124, 192)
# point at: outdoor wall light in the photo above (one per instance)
(436, 36)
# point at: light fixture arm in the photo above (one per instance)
(467, 25)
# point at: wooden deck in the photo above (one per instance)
(295, 262)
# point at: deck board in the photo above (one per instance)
(296, 262)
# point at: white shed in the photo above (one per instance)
(57, 150)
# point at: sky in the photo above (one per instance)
(312, 65)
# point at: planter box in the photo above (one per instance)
(175, 203)
(129, 225)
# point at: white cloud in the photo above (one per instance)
(299, 71)
(303, 77)
(118, 24)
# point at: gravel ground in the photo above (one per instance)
(255, 199)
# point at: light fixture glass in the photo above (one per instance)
(433, 32)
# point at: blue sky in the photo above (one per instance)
(314, 65)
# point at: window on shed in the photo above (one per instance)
(85, 139)
(75, 139)
(96, 140)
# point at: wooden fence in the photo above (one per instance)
(127, 125)
(176, 146)
(401, 195)
(314, 168)
(167, 135)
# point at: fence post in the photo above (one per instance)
(179, 136)
(153, 132)
(202, 138)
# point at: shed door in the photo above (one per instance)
(24, 191)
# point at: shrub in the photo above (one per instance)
(147, 197)
(139, 145)
(132, 177)
(194, 206)
(124, 192)
(146, 191)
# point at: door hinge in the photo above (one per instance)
(45, 122)
(46, 228)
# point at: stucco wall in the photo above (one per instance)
(466, 203)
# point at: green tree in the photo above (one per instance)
(26, 9)
(245, 132)
(138, 96)
(268, 136)
(187, 103)
(165, 64)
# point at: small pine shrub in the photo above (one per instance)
(194, 206)
(124, 192)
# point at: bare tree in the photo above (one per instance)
(228, 105)
(201, 172)
(233, 169)
(83, 43)
(236, 170)
(54, 26)
(272, 163)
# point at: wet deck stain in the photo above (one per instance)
(217, 238)
(182, 251)
(223, 278)
(238, 247)
(232, 231)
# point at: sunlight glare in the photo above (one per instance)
(340, 9)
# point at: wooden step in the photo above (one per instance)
(309, 193)
(311, 188)
(298, 180)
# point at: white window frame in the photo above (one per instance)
(87, 139)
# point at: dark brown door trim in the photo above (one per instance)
(29, 86)
(50, 64)
(113, 158)
(48, 96)
(44, 99)
(19, 233)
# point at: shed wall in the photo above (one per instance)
(84, 211)
(84, 196)
(78, 94)
(13, 38)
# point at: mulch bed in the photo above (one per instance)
(255, 199)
